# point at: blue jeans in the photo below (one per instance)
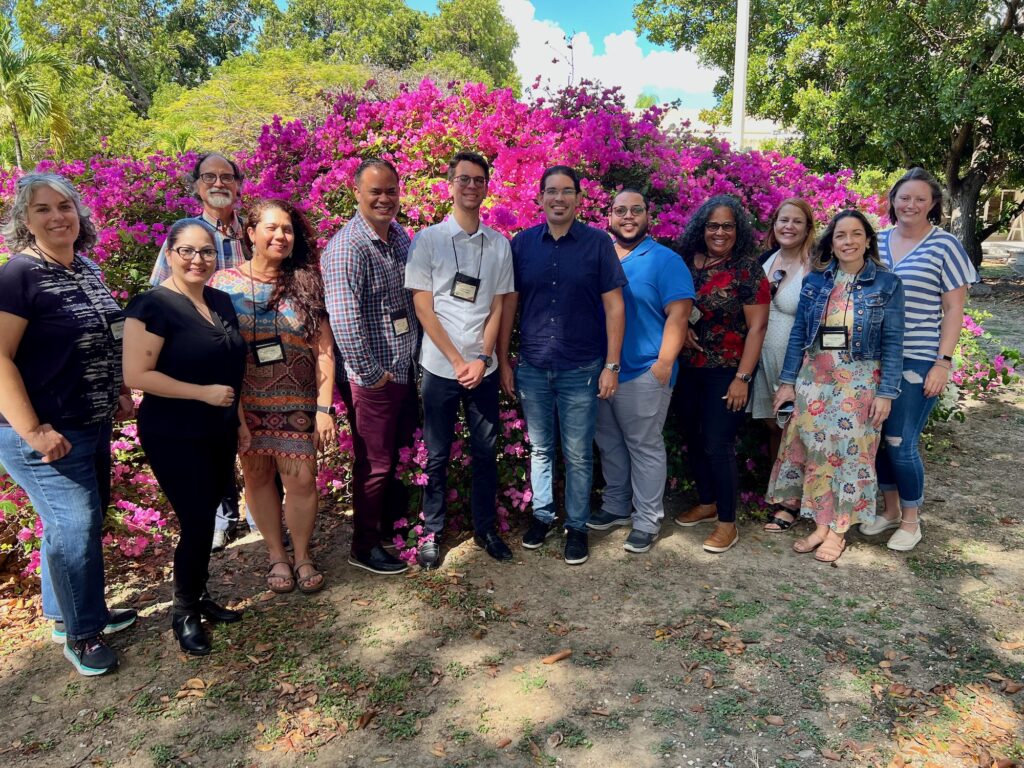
(898, 462)
(441, 398)
(564, 401)
(68, 494)
(709, 432)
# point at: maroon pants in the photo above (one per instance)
(383, 421)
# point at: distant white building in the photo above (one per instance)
(755, 130)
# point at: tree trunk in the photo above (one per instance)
(964, 195)
(19, 157)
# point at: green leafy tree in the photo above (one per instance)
(31, 84)
(228, 111)
(878, 83)
(479, 32)
(144, 43)
(380, 33)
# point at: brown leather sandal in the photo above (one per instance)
(289, 580)
(308, 584)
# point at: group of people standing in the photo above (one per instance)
(248, 329)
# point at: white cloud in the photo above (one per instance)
(667, 74)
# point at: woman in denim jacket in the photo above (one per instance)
(842, 368)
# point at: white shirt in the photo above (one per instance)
(437, 253)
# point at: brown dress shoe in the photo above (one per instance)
(722, 539)
(700, 513)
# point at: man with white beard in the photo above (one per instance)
(216, 181)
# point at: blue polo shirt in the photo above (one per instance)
(657, 277)
(560, 283)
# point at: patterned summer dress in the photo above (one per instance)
(826, 464)
(279, 399)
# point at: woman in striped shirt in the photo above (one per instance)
(936, 271)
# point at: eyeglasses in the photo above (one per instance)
(714, 226)
(552, 192)
(777, 277)
(188, 253)
(622, 210)
(467, 181)
(211, 178)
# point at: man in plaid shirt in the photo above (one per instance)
(377, 334)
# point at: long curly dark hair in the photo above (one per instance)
(300, 280)
(692, 240)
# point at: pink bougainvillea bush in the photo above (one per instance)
(312, 163)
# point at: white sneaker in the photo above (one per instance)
(880, 524)
(903, 540)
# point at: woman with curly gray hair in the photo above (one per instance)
(718, 361)
(60, 389)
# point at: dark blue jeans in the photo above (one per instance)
(709, 432)
(70, 495)
(898, 461)
(441, 400)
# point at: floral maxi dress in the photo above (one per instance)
(826, 463)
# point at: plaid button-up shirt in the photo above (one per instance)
(364, 282)
(230, 249)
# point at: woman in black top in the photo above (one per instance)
(182, 348)
(60, 386)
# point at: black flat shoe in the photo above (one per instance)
(493, 544)
(192, 638)
(217, 613)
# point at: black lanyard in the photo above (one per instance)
(455, 250)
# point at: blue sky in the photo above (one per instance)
(606, 49)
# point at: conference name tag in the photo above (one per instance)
(268, 351)
(116, 326)
(835, 337)
(465, 287)
(400, 322)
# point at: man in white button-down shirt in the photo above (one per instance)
(458, 271)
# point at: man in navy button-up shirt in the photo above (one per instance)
(572, 320)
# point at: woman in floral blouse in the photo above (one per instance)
(716, 367)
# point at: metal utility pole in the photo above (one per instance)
(739, 77)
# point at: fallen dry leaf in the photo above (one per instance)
(504, 743)
(722, 624)
(518, 668)
(554, 658)
(365, 718)
(600, 711)
(1011, 687)
(828, 754)
(885, 664)
(437, 750)
(363, 603)
(194, 683)
(774, 720)
(264, 747)
(708, 680)
(1011, 646)
(994, 676)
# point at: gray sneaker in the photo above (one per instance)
(639, 542)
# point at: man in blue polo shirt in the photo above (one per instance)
(572, 319)
(658, 299)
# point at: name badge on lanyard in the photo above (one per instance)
(268, 351)
(116, 325)
(835, 337)
(465, 287)
(399, 322)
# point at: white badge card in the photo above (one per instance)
(116, 325)
(695, 315)
(268, 351)
(465, 287)
(835, 337)
(400, 322)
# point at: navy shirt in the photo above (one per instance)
(560, 283)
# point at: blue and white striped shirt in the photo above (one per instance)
(936, 265)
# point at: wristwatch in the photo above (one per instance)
(613, 367)
(746, 378)
(487, 360)
(330, 410)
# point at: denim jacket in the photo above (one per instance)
(878, 314)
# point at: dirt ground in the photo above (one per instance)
(759, 657)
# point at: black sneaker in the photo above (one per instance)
(576, 549)
(639, 542)
(602, 521)
(91, 656)
(120, 618)
(378, 561)
(538, 531)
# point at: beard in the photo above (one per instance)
(220, 199)
(624, 240)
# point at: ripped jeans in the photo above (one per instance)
(898, 462)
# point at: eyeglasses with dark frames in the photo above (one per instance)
(465, 181)
(714, 226)
(211, 178)
(188, 253)
(622, 210)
